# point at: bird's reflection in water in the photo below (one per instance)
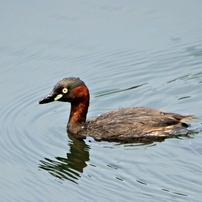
(71, 167)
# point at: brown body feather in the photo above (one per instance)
(135, 124)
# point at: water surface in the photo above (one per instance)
(129, 53)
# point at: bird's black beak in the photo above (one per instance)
(49, 98)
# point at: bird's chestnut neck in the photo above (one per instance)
(79, 108)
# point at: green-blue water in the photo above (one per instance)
(129, 53)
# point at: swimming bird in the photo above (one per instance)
(134, 124)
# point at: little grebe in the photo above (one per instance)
(121, 125)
